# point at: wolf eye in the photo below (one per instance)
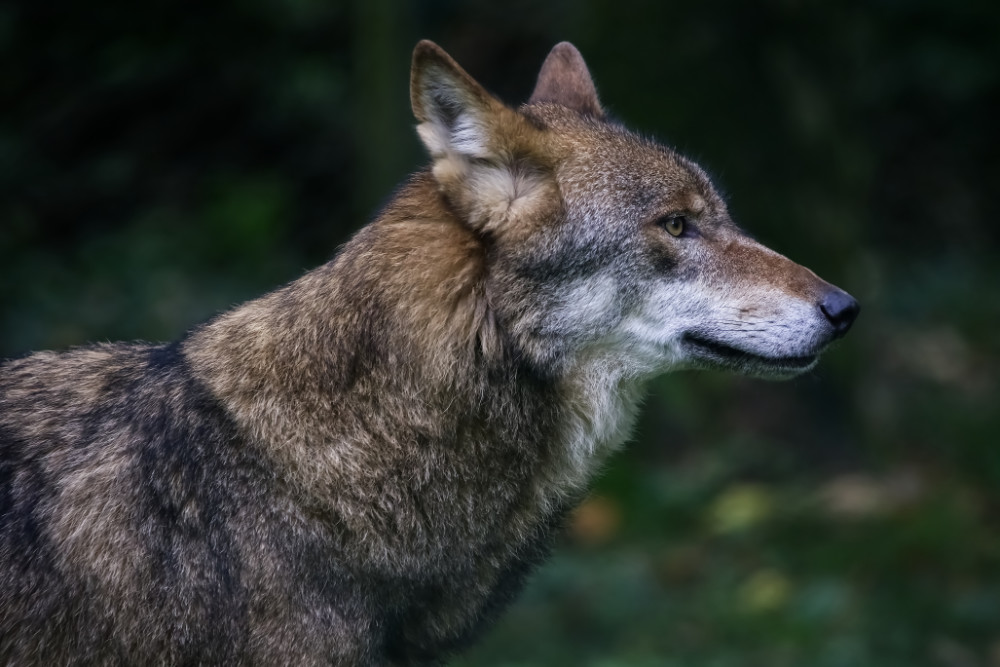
(674, 224)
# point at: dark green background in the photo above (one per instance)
(161, 161)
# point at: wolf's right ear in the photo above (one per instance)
(564, 79)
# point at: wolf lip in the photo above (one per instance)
(720, 352)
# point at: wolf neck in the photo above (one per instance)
(391, 348)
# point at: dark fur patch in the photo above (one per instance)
(182, 483)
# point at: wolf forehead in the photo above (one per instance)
(627, 168)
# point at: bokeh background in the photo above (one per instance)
(160, 161)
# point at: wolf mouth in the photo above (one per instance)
(713, 350)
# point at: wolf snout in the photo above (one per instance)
(840, 310)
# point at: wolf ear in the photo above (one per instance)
(453, 109)
(489, 160)
(564, 79)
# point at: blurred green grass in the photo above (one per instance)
(696, 565)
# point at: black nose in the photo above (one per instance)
(840, 309)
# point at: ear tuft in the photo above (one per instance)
(564, 79)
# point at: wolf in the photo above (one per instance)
(362, 467)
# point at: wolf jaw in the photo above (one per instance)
(713, 354)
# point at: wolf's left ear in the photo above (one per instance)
(453, 109)
(488, 159)
(564, 79)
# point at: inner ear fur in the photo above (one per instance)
(564, 79)
(490, 161)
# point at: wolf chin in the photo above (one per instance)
(361, 467)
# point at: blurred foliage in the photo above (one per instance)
(160, 161)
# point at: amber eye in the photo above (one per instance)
(674, 224)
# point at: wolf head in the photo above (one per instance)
(604, 244)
